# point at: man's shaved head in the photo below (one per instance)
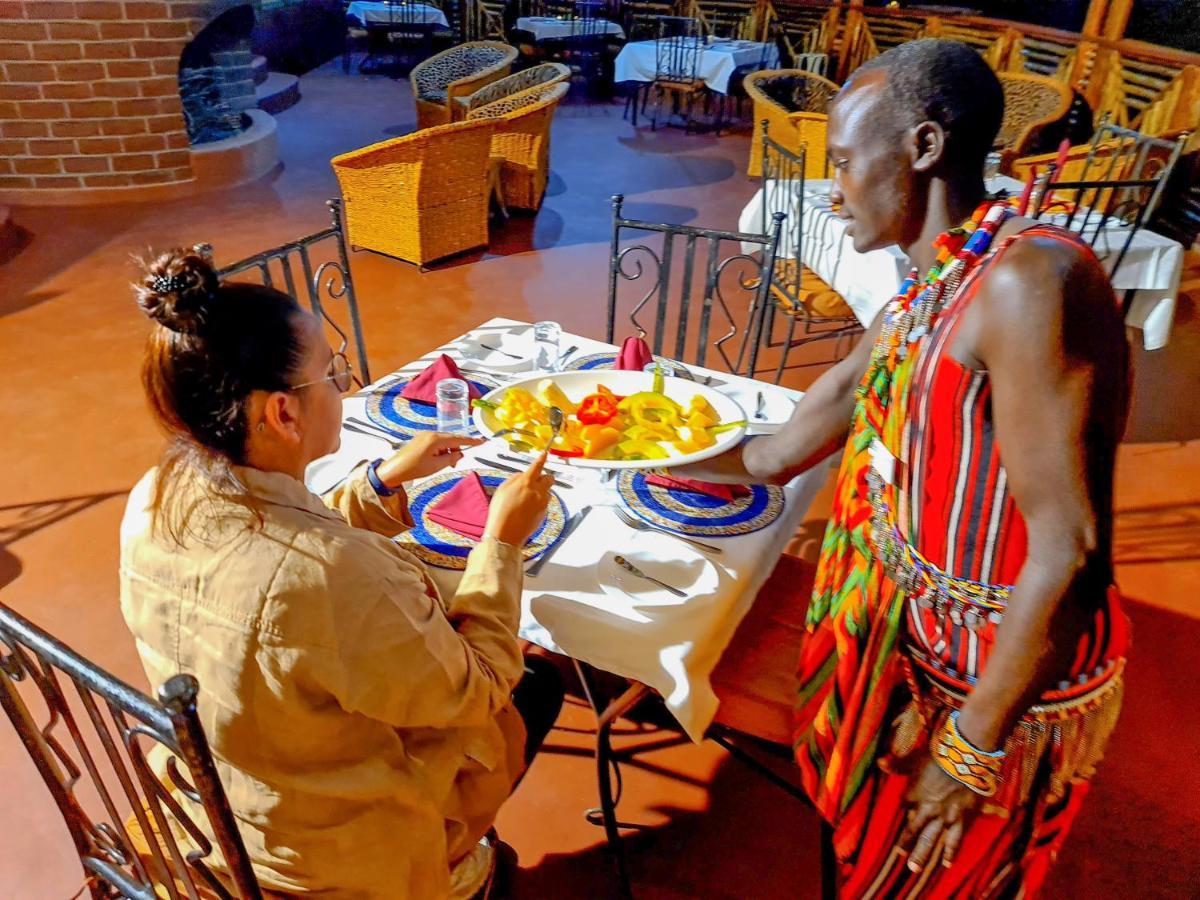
(946, 82)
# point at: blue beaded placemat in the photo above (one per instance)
(439, 546)
(699, 515)
(404, 418)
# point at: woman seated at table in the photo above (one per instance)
(366, 730)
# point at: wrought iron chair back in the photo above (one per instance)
(677, 50)
(1121, 184)
(681, 296)
(328, 284)
(791, 291)
(105, 747)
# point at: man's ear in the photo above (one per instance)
(928, 145)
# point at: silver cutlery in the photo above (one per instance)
(359, 427)
(634, 570)
(492, 349)
(565, 355)
(522, 460)
(557, 418)
(571, 524)
(638, 525)
(760, 404)
(505, 467)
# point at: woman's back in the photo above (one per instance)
(362, 744)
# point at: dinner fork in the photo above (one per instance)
(638, 525)
(492, 349)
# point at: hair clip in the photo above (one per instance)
(169, 284)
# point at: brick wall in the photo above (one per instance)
(89, 97)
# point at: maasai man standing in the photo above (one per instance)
(962, 670)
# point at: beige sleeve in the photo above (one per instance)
(404, 660)
(361, 507)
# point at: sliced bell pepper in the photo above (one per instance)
(598, 438)
(641, 450)
(597, 409)
(551, 394)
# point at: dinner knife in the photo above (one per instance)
(571, 524)
(505, 467)
(634, 570)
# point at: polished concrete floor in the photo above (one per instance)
(76, 436)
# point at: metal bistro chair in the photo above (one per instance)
(403, 34)
(683, 296)
(797, 292)
(584, 51)
(1120, 186)
(138, 857)
(329, 283)
(677, 54)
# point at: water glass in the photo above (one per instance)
(546, 337)
(668, 370)
(991, 166)
(453, 406)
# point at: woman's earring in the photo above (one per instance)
(260, 426)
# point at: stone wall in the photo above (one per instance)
(89, 99)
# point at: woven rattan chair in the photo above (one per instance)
(522, 141)
(794, 105)
(457, 72)
(421, 197)
(1031, 104)
(542, 75)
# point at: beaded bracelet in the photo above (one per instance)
(971, 767)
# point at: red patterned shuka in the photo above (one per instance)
(923, 543)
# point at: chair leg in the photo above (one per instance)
(787, 346)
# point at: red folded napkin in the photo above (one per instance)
(464, 509)
(423, 388)
(726, 492)
(635, 355)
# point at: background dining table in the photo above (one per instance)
(671, 647)
(637, 61)
(1152, 268)
(368, 13)
(552, 28)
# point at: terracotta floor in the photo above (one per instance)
(75, 437)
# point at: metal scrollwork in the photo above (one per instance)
(635, 273)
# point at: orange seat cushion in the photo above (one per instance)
(756, 678)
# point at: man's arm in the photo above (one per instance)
(817, 428)
(1050, 345)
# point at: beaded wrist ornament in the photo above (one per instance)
(971, 767)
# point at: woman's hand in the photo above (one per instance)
(427, 453)
(518, 507)
(939, 806)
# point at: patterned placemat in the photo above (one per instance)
(439, 546)
(599, 361)
(699, 515)
(404, 418)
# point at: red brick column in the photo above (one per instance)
(89, 100)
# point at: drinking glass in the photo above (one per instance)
(546, 336)
(991, 166)
(453, 406)
(668, 370)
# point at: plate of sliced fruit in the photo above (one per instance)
(614, 420)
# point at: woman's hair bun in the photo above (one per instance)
(177, 290)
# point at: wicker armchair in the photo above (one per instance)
(537, 76)
(794, 104)
(457, 72)
(420, 197)
(1031, 103)
(522, 139)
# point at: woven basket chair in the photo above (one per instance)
(420, 197)
(794, 103)
(1031, 103)
(538, 76)
(522, 138)
(457, 72)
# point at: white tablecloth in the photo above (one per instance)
(672, 648)
(395, 13)
(548, 28)
(718, 61)
(1152, 268)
